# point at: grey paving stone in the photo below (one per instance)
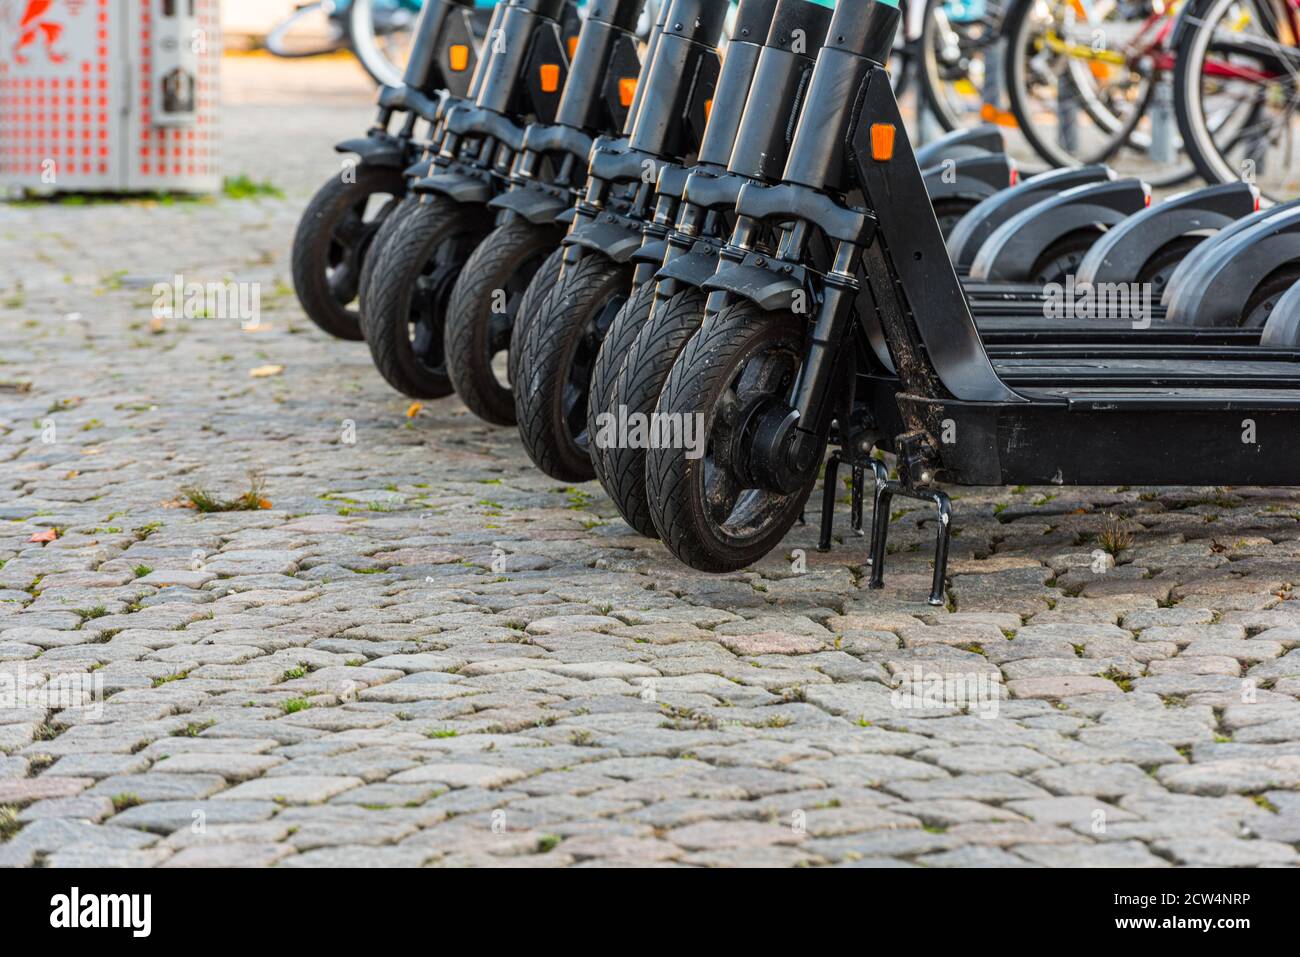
(344, 679)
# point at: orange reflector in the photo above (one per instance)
(882, 142)
(627, 90)
(550, 77)
(573, 48)
(459, 56)
(708, 109)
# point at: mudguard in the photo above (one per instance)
(1282, 331)
(457, 186)
(770, 291)
(651, 252)
(976, 226)
(695, 268)
(609, 239)
(1228, 279)
(1123, 253)
(962, 144)
(1009, 254)
(532, 204)
(1191, 265)
(419, 170)
(974, 179)
(380, 151)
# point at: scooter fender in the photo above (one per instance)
(1190, 268)
(532, 204)
(1009, 253)
(976, 226)
(1231, 275)
(461, 188)
(651, 252)
(1122, 254)
(375, 151)
(419, 170)
(962, 144)
(974, 178)
(695, 268)
(609, 239)
(771, 291)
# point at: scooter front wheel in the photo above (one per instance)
(629, 322)
(482, 311)
(387, 230)
(708, 510)
(636, 392)
(334, 238)
(406, 307)
(556, 362)
(536, 296)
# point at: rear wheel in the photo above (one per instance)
(1260, 306)
(1159, 269)
(482, 311)
(1062, 258)
(637, 390)
(556, 362)
(333, 241)
(629, 322)
(707, 509)
(407, 307)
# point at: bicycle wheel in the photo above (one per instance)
(1238, 86)
(381, 32)
(1075, 93)
(959, 51)
(312, 30)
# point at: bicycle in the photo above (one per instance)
(1236, 91)
(377, 32)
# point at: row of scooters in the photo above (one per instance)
(687, 271)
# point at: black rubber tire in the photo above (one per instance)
(675, 482)
(326, 273)
(1061, 259)
(638, 388)
(629, 322)
(414, 277)
(475, 335)
(950, 212)
(535, 297)
(387, 230)
(559, 349)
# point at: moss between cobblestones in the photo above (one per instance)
(9, 823)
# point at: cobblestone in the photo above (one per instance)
(345, 676)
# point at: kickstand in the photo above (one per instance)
(885, 493)
(858, 485)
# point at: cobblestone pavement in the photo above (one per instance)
(421, 651)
